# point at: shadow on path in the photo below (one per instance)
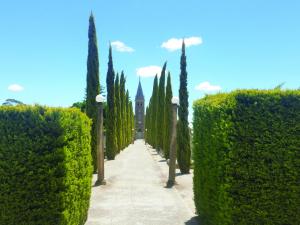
(180, 174)
(193, 221)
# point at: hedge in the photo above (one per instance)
(45, 166)
(247, 158)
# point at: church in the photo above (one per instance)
(139, 113)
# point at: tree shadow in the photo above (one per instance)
(95, 185)
(193, 221)
(162, 160)
(180, 174)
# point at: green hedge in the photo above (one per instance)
(247, 158)
(45, 166)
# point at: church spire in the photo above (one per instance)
(139, 93)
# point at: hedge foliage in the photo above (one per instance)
(45, 166)
(247, 158)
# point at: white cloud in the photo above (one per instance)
(148, 71)
(174, 44)
(15, 88)
(121, 47)
(206, 86)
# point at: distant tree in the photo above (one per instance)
(111, 120)
(160, 109)
(279, 86)
(154, 105)
(151, 120)
(80, 105)
(127, 110)
(183, 133)
(123, 107)
(12, 102)
(168, 120)
(147, 124)
(118, 112)
(93, 86)
(131, 122)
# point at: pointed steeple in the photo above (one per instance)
(139, 93)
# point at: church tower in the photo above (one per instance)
(139, 113)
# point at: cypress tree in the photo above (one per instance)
(118, 111)
(131, 122)
(146, 124)
(149, 123)
(154, 104)
(183, 134)
(127, 117)
(92, 86)
(122, 97)
(111, 120)
(160, 109)
(168, 119)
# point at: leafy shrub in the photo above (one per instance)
(45, 166)
(247, 162)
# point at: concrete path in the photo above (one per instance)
(135, 193)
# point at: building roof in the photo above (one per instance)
(139, 93)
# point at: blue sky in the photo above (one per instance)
(245, 44)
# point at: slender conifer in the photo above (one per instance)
(123, 99)
(92, 86)
(118, 112)
(183, 133)
(160, 109)
(111, 115)
(168, 117)
(154, 104)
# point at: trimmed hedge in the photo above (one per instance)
(45, 166)
(246, 155)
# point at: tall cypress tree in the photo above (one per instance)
(131, 122)
(146, 124)
(160, 109)
(111, 120)
(150, 122)
(123, 99)
(92, 86)
(127, 118)
(183, 134)
(154, 104)
(118, 112)
(168, 119)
